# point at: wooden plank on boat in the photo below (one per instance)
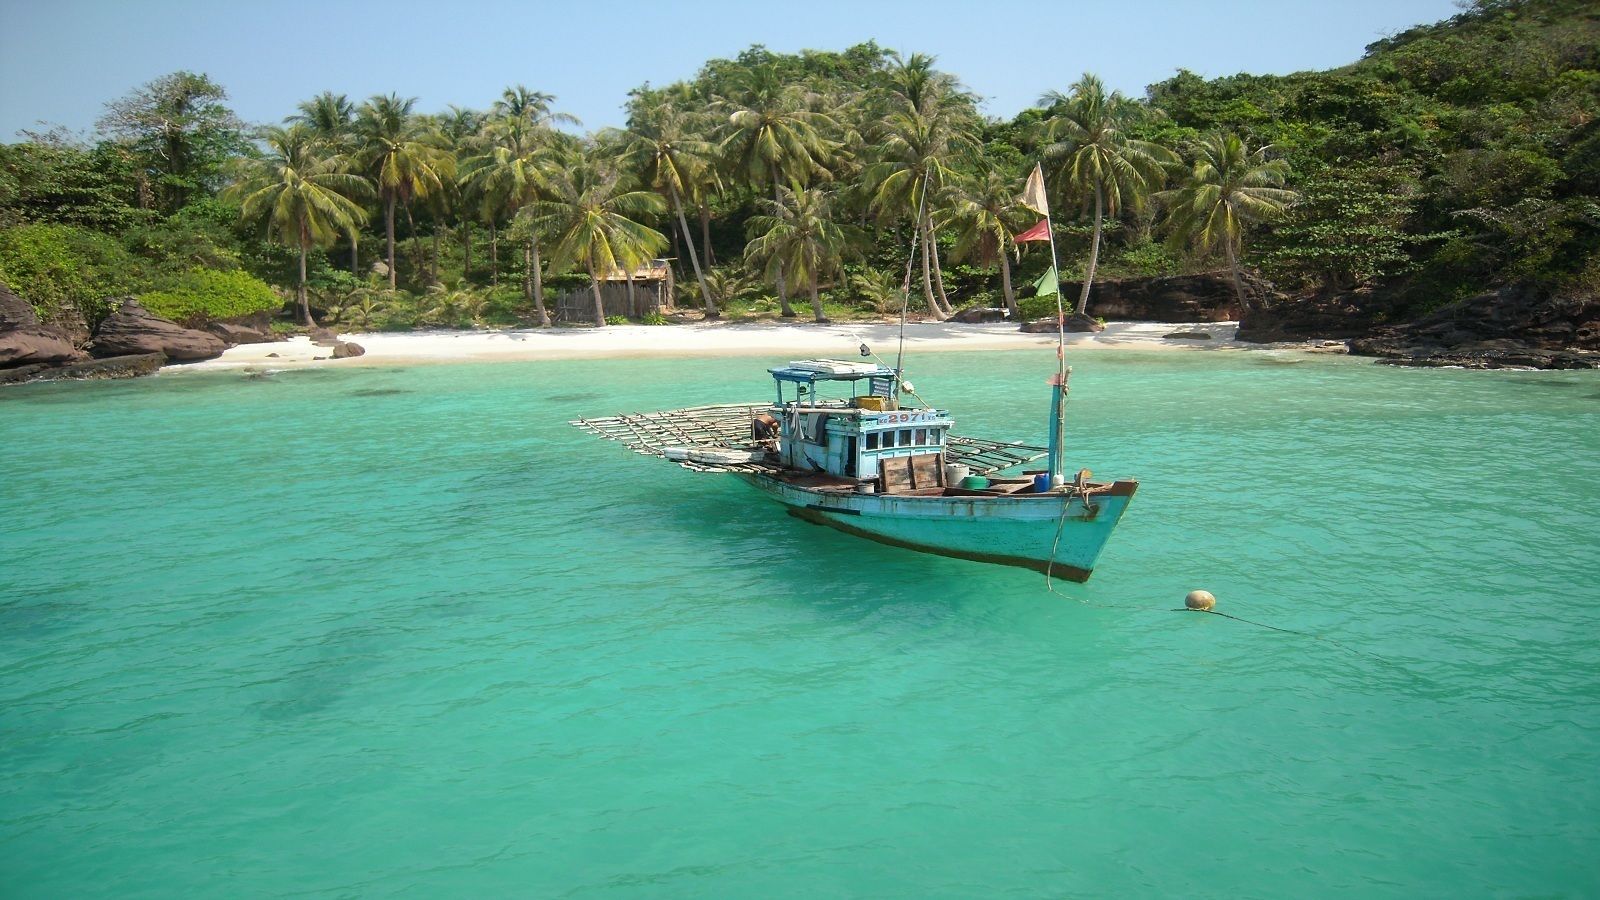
(925, 471)
(721, 426)
(985, 457)
(896, 472)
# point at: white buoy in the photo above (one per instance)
(1200, 600)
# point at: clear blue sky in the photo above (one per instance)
(61, 60)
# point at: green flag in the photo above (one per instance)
(1047, 283)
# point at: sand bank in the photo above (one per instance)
(710, 339)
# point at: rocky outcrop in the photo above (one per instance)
(87, 370)
(1187, 336)
(1515, 327)
(24, 341)
(233, 334)
(133, 330)
(1207, 297)
(974, 315)
(1074, 324)
(1338, 317)
(347, 349)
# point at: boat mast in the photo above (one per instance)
(1058, 382)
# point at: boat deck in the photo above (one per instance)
(727, 426)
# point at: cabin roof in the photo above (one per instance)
(809, 371)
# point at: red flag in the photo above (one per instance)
(1039, 232)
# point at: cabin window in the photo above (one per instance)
(888, 439)
(872, 440)
(922, 437)
(905, 437)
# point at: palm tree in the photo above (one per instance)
(457, 132)
(530, 108)
(330, 117)
(592, 216)
(774, 136)
(987, 214)
(915, 158)
(801, 237)
(503, 180)
(1090, 150)
(929, 126)
(1228, 187)
(305, 199)
(397, 156)
(668, 156)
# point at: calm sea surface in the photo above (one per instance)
(405, 632)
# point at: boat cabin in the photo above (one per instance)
(842, 420)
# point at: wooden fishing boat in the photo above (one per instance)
(848, 445)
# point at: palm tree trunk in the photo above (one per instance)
(538, 286)
(1094, 251)
(599, 305)
(416, 249)
(305, 305)
(787, 311)
(694, 258)
(938, 276)
(1238, 277)
(633, 302)
(434, 274)
(927, 276)
(527, 271)
(466, 252)
(388, 227)
(816, 301)
(705, 233)
(355, 256)
(1005, 284)
(494, 255)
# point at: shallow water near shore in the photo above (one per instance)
(404, 631)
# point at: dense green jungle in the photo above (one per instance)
(1452, 159)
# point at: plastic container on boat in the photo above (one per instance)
(1041, 483)
(955, 473)
(975, 482)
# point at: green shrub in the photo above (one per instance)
(65, 271)
(616, 320)
(654, 318)
(202, 295)
(1031, 308)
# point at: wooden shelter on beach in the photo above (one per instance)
(653, 291)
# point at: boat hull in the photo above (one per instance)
(1012, 531)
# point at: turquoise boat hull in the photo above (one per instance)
(1060, 533)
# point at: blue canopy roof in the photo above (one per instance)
(812, 371)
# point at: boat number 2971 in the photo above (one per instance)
(895, 418)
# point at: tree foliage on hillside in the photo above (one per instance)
(1451, 158)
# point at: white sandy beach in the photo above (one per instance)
(711, 339)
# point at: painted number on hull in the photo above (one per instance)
(896, 418)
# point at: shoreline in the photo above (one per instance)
(718, 339)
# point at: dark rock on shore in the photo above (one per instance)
(1515, 327)
(233, 334)
(347, 349)
(25, 341)
(1075, 324)
(974, 315)
(133, 330)
(1207, 297)
(1187, 336)
(88, 370)
(1308, 319)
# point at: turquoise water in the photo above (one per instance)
(404, 632)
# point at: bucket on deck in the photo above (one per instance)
(1041, 483)
(974, 482)
(955, 473)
